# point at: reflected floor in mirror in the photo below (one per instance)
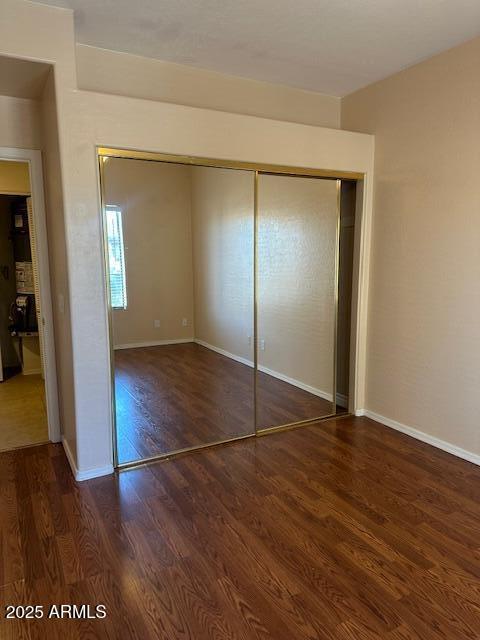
(172, 397)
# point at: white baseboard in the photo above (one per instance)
(222, 352)
(153, 343)
(359, 413)
(275, 374)
(88, 474)
(70, 458)
(31, 372)
(424, 437)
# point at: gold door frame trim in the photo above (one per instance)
(255, 303)
(104, 153)
(106, 262)
(112, 152)
(180, 452)
(335, 294)
(164, 457)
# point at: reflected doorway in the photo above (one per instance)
(23, 407)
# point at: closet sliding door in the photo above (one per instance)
(229, 293)
(296, 285)
(179, 247)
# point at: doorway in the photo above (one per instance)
(229, 293)
(28, 392)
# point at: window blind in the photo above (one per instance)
(116, 257)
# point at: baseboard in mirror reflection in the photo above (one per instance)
(153, 343)
(424, 437)
(222, 352)
(297, 383)
(275, 374)
(342, 400)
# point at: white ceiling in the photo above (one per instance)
(330, 46)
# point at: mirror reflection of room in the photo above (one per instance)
(297, 238)
(180, 262)
(23, 418)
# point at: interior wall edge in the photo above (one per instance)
(444, 445)
(84, 474)
(70, 456)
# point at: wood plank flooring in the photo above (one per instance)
(173, 397)
(342, 530)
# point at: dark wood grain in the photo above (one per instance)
(341, 530)
(173, 397)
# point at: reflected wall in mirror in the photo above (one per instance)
(296, 299)
(180, 243)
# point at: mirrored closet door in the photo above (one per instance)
(230, 301)
(179, 241)
(296, 275)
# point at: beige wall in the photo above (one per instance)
(14, 178)
(174, 215)
(19, 123)
(128, 75)
(56, 231)
(155, 203)
(222, 223)
(297, 221)
(424, 339)
(31, 356)
(86, 119)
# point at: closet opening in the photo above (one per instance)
(229, 288)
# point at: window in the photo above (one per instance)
(116, 257)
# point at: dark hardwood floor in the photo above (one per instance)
(342, 530)
(179, 396)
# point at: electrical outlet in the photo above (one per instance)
(249, 341)
(156, 324)
(184, 322)
(262, 345)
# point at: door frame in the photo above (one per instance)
(46, 334)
